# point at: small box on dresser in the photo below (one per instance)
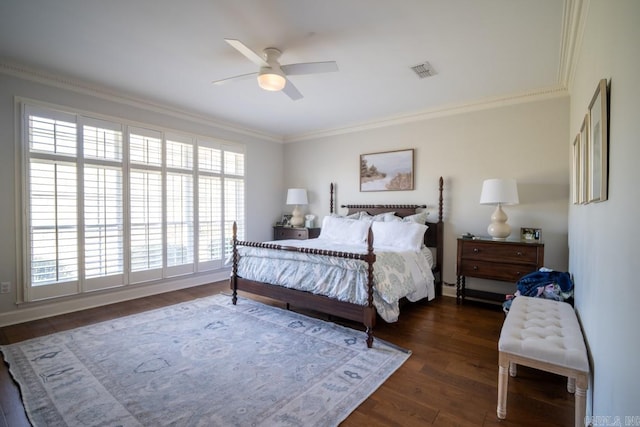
(505, 261)
(299, 233)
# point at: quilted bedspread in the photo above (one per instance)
(396, 274)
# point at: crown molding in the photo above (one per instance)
(484, 104)
(39, 76)
(573, 22)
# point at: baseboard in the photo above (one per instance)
(449, 291)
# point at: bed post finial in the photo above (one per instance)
(234, 271)
(441, 185)
(331, 198)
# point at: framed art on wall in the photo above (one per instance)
(584, 159)
(387, 171)
(598, 145)
(576, 181)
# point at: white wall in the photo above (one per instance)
(526, 141)
(264, 179)
(603, 236)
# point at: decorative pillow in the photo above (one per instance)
(344, 230)
(399, 235)
(384, 217)
(352, 216)
(420, 218)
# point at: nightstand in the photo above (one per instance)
(285, 233)
(505, 261)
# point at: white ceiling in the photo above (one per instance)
(169, 51)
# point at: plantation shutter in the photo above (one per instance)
(103, 204)
(209, 206)
(52, 219)
(108, 204)
(234, 195)
(145, 196)
(180, 206)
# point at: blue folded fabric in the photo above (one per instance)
(529, 284)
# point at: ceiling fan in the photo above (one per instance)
(272, 76)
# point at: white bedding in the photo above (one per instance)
(397, 274)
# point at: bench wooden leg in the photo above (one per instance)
(581, 384)
(503, 385)
(571, 385)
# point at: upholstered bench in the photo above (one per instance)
(543, 334)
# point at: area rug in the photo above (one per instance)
(201, 363)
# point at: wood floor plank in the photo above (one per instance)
(449, 379)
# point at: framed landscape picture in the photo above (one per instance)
(387, 171)
(598, 145)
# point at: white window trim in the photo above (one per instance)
(24, 107)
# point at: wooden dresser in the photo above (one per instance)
(505, 261)
(286, 233)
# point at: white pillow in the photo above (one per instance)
(386, 216)
(352, 216)
(402, 236)
(420, 218)
(344, 230)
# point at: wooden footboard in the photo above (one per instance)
(359, 313)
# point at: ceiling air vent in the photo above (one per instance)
(424, 70)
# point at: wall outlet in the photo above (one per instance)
(5, 287)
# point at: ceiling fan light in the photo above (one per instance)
(271, 81)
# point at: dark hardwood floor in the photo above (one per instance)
(450, 378)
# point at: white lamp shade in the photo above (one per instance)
(271, 80)
(499, 192)
(297, 196)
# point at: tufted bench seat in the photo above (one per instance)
(543, 334)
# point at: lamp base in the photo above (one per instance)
(499, 229)
(297, 220)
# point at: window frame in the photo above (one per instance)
(166, 272)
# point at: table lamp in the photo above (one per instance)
(499, 192)
(297, 196)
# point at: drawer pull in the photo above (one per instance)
(476, 250)
(519, 253)
(475, 267)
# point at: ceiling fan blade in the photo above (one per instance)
(309, 68)
(291, 91)
(234, 78)
(248, 53)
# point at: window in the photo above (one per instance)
(102, 144)
(109, 204)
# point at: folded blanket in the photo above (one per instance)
(529, 284)
(544, 283)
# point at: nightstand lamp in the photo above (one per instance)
(499, 192)
(297, 196)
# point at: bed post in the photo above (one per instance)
(331, 198)
(440, 238)
(370, 312)
(234, 271)
(440, 201)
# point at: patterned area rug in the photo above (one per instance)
(201, 363)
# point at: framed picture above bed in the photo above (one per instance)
(387, 171)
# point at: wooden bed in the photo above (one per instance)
(360, 313)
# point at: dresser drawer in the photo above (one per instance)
(518, 253)
(286, 233)
(494, 271)
(283, 233)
